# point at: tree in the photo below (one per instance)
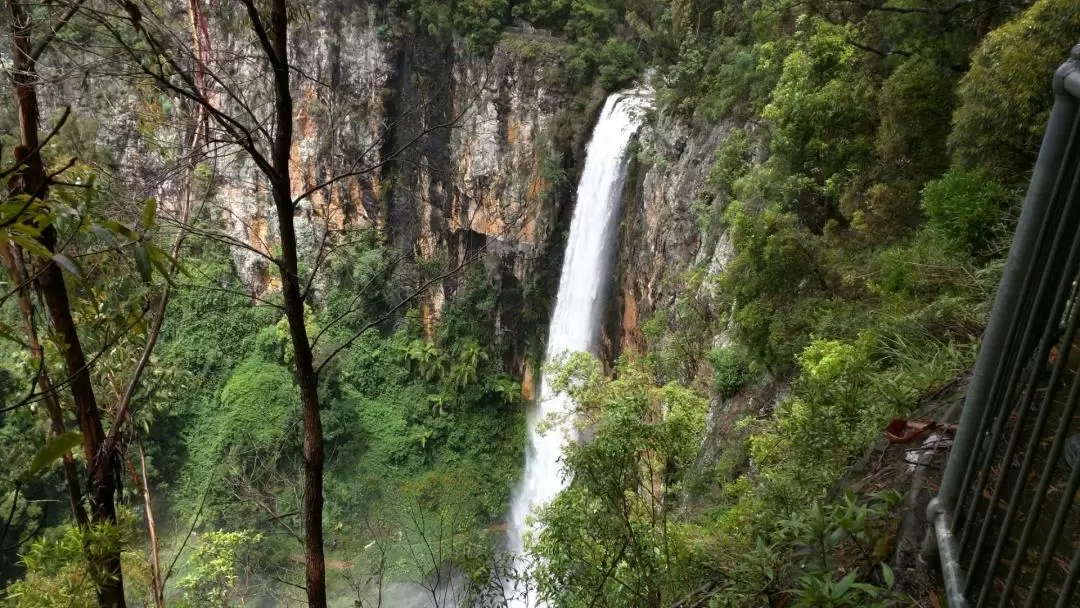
(33, 184)
(214, 580)
(1005, 99)
(44, 218)
(611, 538)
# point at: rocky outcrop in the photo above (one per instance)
(663, 235)
(451, 156)
(443, 150)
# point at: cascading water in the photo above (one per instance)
(575, 325)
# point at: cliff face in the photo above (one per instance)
(441, 150)
(447, 154)
(665, 232)
(673, 247)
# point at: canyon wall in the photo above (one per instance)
(450, 156)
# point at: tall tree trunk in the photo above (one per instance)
(106, 568)
(151, 526)
(309, 402)
(13, 262)
(312, 507)
(101, 465)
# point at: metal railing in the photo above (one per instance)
(1003, 521)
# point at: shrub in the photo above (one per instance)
(730, 371)
(1004, 100)
(914, 109)
(219, 568)
(886, 210)
(771, 283)
(966, 206)
(732, 161)
(481, 22)
(822, 124)
(619, 64)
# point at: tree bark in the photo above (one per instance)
(106, 572)
(313, 449)
(50, 282)
(13, 262)
(151, 524)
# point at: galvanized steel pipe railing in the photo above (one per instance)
(1016, 425)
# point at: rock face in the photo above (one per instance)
(441, 150)
(449, 155)
(672, 249)
(663, 234)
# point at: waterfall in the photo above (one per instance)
(575, 324)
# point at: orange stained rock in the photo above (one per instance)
(528, 382)
(631, 336)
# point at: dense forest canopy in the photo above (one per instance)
(327, 404)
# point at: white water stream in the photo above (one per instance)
(575, 324)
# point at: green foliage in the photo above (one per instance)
(397, 408)
(544, 13)
(614, 518)
(217, 567)
(57, 569)
(776, 272)
(257, 405)
(619, 64)
(1005, 98)
(282, 334)
(597, 51)
(53, 449)
(729, 370)
(481, 21)
(836, 408)
(821, 112)
(247, 437)
(820, 591)
(914, 108)
(732, 161)
(677, 338)
(832, 530)
(967, 206)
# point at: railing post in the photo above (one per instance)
(1036, 204)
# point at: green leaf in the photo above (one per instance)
(156, 261)
(31, 245)
(162, 262)
(121, 229)
(65, 262)
(142, 262)
(26, 229)
(887, 574)
(15, 204)
(845, 583)
(867, 588)
(104, 234)
(148, 213)
(54, 449)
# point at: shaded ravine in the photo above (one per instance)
(575, 324)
